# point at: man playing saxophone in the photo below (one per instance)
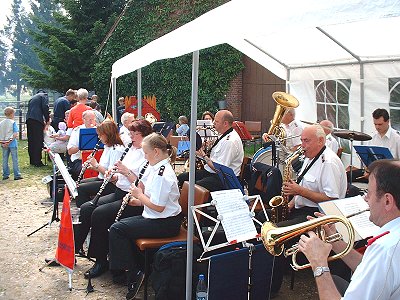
(376, 273)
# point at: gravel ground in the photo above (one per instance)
(23, 210)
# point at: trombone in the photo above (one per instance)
(274, 237)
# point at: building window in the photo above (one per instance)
(394, 102)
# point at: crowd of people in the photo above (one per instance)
(135, 168)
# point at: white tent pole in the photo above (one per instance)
(192, 159)
(362, 105)
(114, 97)
(139, 93)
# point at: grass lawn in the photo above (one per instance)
(32, 175)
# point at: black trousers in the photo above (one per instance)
(89, 187)
(123, 234)
(102, 219)
(75, 170)
(35, 141)
(85, 217)
(207, 180)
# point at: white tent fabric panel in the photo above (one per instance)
(261, 24)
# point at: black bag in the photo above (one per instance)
(271, 181)
(59, 188)
(168, 277)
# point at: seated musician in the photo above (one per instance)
(113, 149)
(322, 177)
(89, 121)
(293, 130)
(331, 142)
(126, 119)
(161, 218)
(385, 135)
(227, 150)
(99, 216)
(376, 273)
(207, 115)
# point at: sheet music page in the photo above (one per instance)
(361, 223)
(235, 215)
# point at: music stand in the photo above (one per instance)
(163, 128)
(58, 166)
(368, 154)
(88, 139)
(228, 177)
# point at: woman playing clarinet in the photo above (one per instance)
(113, 149)
(161, 216)
(100, 215)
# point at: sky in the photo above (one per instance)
(6, 10)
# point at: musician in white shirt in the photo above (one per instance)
(376, 273)
(127, 120)
(331, 142)
(385, 135)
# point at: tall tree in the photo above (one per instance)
(3, 60)
(68, 46)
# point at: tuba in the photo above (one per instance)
(279, 204)
(284, 102)
(274, 237)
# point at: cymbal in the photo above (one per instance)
(352, 135)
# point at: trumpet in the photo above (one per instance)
(274, 237)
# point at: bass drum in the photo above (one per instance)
(264, 155)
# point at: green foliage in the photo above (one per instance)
(169, 80)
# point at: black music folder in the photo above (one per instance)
(88, 139)
(368, 154)
(163, 127)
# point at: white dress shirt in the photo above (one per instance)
(133, 160)
(390, 140)
(332, 143)
(293, 134)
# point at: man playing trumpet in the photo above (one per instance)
(376, 273)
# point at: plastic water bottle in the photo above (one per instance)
(201, 289)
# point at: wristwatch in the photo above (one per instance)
(320, 270)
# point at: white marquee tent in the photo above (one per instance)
(299, 41)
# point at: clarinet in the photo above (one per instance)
(108, 178)
(87, 162)
(128, 196)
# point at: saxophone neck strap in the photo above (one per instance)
(220, 138)
(300, 178)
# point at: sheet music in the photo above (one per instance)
(234, 214)
(361, 223)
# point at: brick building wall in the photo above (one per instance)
(234, 97)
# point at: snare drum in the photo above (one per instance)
(264, 156)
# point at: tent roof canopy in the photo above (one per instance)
(284, 35)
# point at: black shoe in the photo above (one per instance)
(134, 286)
(53, 263)
(18, 178)
(40, 165)
(5, 178)
(97, 270)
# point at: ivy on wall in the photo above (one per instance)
(169, 80)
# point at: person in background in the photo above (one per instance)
(331, 142)
(385, 135)
(8, 139)
(75, 115)
(89, 120)
(99, 116)
(182, 127)
(293, 130)
(227, 151)
(376, 273)
(207, 116)
(37, 117)
(95, 99)
(48, 133)
(120, 109)
(127, 120)
(158, 194)
(61, 105)
(59, 145)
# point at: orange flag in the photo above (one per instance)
(65, 253)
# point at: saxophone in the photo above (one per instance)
(279, 204)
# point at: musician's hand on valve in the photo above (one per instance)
(291, 205)
(121, 168)
(134, 202)
(330, 229)
(136, 191)
(314, 249)
(200, 152)
(93, 163)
